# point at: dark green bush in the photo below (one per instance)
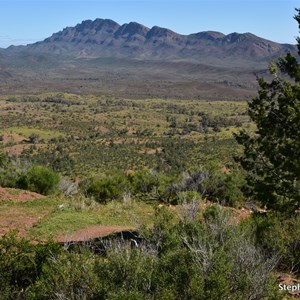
(280, 236)
(234, 187)
(153, 185)
(143, 181)
(213, 260)
(39, 179)
(224, 188)
(211, 212)
(67, 276)
(21, 264)
(213, 184)
(107, 187)
(103, 190)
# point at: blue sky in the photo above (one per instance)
(23, 22)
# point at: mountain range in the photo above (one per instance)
(134, 60)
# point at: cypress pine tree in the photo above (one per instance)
(272, 154)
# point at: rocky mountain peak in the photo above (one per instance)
(106, 38)
(157, 31)
(132, 28)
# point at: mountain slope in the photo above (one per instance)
(132, 60)
(103, 38)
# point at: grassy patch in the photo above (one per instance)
(67, 217)
(26, 132)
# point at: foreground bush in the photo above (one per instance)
(67, 276)
(21, 264)
(143, 181)
(213, 259)
(280, 236)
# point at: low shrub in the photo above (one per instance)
(188, 197)
(143, 181)
(21, 264)
(153, 185)
(39, 179)
(280, 236)
(67, 276)
(213, 260)
(8, 171)
(234, 188)
(225, 188)
(107, 187)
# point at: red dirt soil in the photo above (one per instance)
(288, 279)
(92, 232)
(8, 194)
(20, 223)
(17, 219)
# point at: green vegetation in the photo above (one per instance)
(271, 154)
(84, 135)
(188, 195)
(66, 217)
(39, 179)
(280, 236)
(190, 260)
(108, 187)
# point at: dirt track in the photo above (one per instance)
(92, 232)
(21, 219)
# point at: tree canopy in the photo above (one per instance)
(272, 154)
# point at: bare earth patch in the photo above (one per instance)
(92, 232)
(240, 214)
(17, 219)
(18, 149)
(8, 194)
(11, 138)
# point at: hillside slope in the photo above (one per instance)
(132, 60)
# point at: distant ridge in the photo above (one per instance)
(132, 60)
(107, 38)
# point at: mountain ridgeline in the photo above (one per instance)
(103, 37)
(133, 60)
